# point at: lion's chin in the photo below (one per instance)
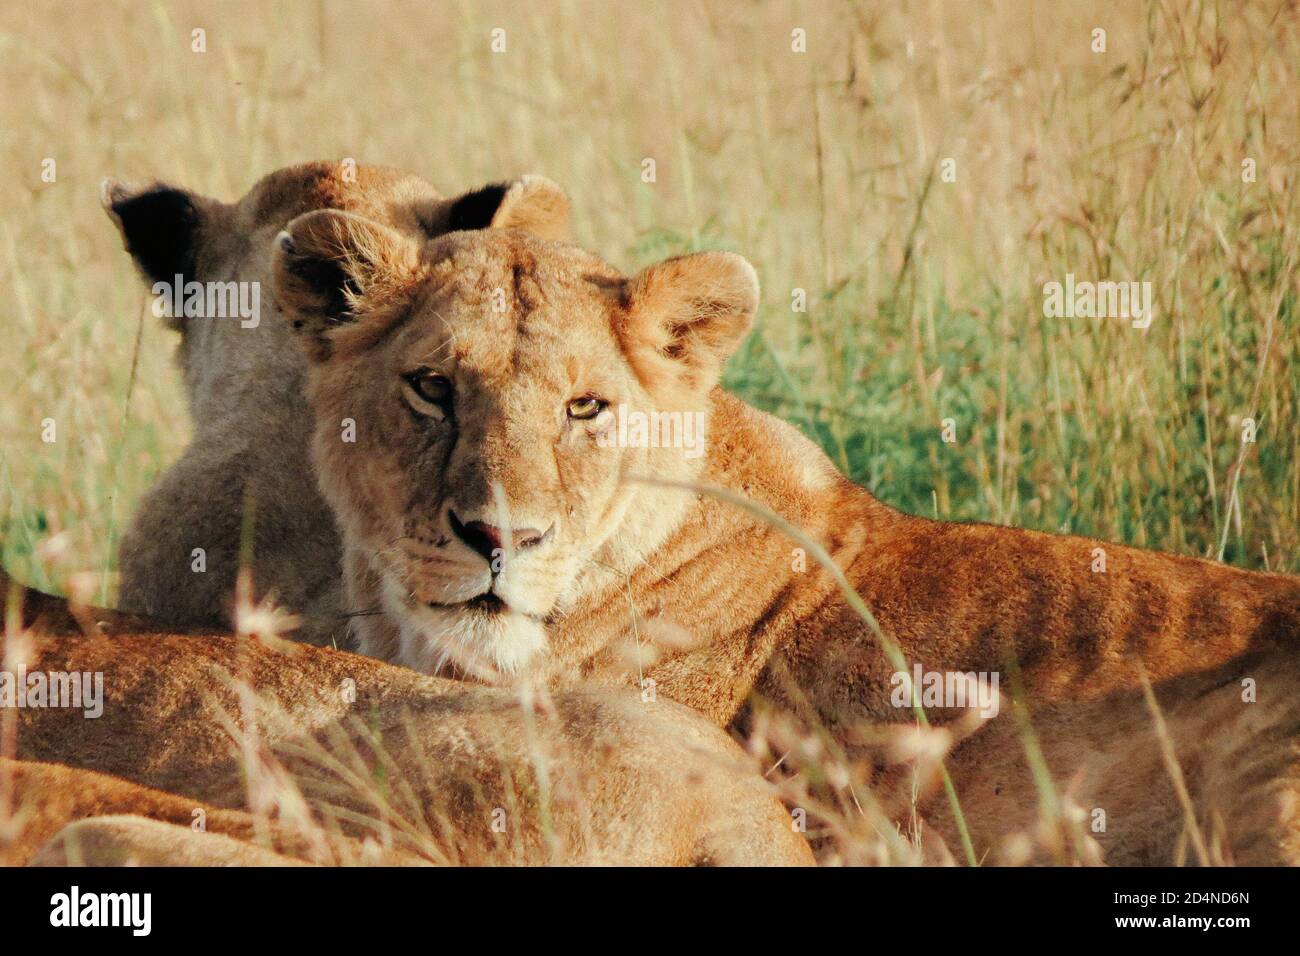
(494, 645)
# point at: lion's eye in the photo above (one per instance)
(428, 392)
(585, 408)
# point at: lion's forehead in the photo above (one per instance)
(499, 305)
(504, 309)
(514, 259)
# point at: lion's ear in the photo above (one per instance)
(685, 316)
(161, 226)
(531, 203)
(330, 266)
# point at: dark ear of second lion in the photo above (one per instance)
(530, 203)
(162, 227)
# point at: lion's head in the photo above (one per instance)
(481, 400)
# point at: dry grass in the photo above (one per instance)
(925, 296)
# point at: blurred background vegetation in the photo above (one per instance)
(823, 167)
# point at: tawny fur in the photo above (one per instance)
(423, 767)
(64, 816)
(520, 328)
(129, 840)
(249, 452)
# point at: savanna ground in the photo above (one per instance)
(924, 296)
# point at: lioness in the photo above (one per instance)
(243, 376)
(494, 507)
(306, 751)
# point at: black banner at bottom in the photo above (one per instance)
(926, 905)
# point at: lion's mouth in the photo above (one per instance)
(488, 603)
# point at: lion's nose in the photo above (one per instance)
(487, 539)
